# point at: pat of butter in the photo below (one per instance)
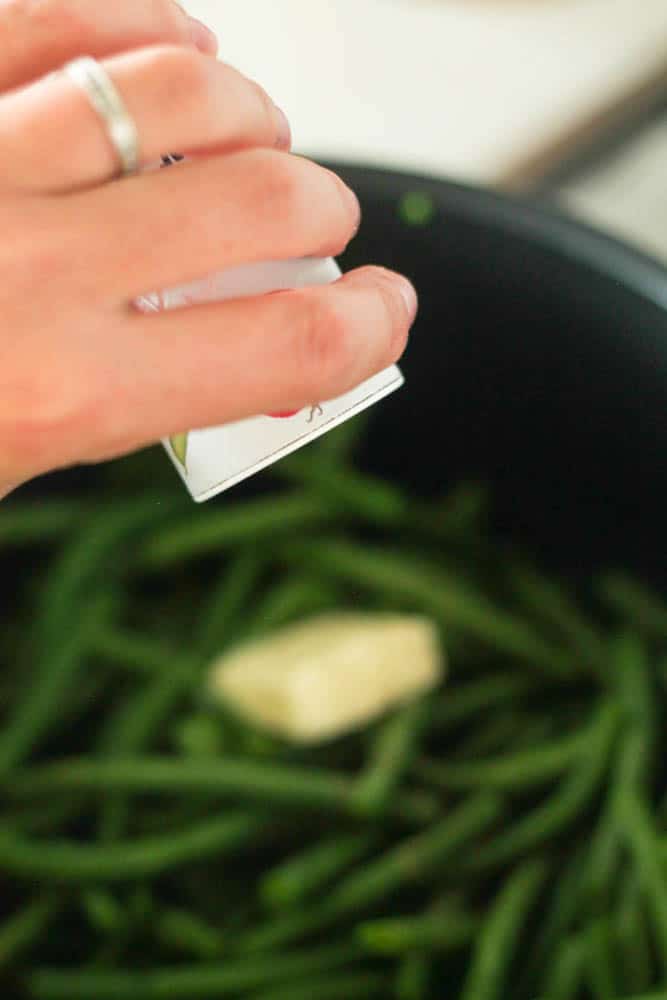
(319, 679)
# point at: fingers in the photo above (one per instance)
(38, 37)
(180, 100)
(217, 363)
(166, 228)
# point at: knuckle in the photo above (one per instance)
(63, 18)
(180, 76)
(305, 198)
(325, 352)
(278, 181)
(79, 22)
(171, 18)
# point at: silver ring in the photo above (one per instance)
(91, 77)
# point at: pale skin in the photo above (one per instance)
(84, 376)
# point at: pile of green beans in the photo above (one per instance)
(504, 836)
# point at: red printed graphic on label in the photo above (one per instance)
(283, 416)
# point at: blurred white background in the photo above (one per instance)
(489, 91)
(468, 88)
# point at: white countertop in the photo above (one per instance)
(627, 194)
(465, 88)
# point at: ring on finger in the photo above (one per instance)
(93, 80)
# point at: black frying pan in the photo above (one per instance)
(538, 364)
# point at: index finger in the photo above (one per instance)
(37, 38)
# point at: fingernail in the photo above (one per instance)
(202, 36)
(284, 139)
(409, 296)
(353, 204)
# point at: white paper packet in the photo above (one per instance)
(213, 459)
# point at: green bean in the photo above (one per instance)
(44, 816)
(413, 979)
(305, 874)
(642, 840)
(392, 753)
(133, 729)
(416, 858)
(39, 521)
(548, 601)
(20, 931)
(634, 602)
(182, 983)
(187, 933)
(531, 730)
(137, 653)
(141, 905)
(295, 598)
(485, 738)
(251, 522)
(417, 208)
(136, 918)
(458, 705)
(599, 961)
(54, 679)
(566, 804)
(260, 783)
(200, 735)
(566, 971)
(369, 498)
(635, 693)
(442, 595)
(513, 771)
(648, 996)
(497, 942)
(218, 624)
(488, 730)
(604, 855)
(363, 986)
(632, 938)
(340, 443)
(607, 842)
(130, 728)
(557, 918)
(71, 862)
(380, 878)
(460, 513)
(101, 537)
(444, 929)
(287, 929)
(103, 910)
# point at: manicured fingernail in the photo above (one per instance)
(409, 296)
(203, 37)
(284, 139)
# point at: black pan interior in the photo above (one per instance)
(538, 364)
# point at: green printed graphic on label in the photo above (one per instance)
(179, 446)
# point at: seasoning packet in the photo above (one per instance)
(211, 460)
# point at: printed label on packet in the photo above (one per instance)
(212, 460)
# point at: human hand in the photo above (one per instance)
(85, 376)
